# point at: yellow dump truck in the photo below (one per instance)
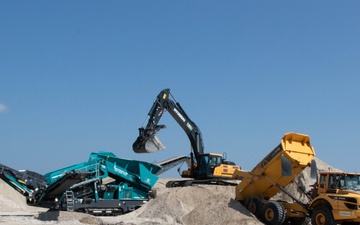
(334, 198)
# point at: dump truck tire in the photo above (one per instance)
(253, 204)
(273, 213)
(299, 221)
(322, 215)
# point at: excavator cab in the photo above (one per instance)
(204, 168)
(207, 164)
(213, 165)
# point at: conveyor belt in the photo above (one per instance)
(171, 163)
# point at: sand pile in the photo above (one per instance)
(68, 217)
(203, 204)
(303, 183)
(15, 211)
(11, 202)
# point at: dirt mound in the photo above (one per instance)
(219, 210)
(11, 202)
(303, 182)
(68, 217)
(203, 204)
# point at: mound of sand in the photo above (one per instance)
(303, 182)
(11, 202)
(68, 217)
(203, 204)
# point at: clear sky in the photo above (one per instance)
(80, 76)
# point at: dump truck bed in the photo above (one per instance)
(279, 167)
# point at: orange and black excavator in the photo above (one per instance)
(204, 168)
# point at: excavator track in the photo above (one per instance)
(186, 183)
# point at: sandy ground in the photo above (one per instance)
(196, 205)
(205, 204)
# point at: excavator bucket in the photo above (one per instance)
(147, 144)
(153, 144)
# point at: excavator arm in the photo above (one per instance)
(147, 141)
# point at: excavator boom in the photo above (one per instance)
(147, 142)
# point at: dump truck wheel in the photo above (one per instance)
(299, 221)
(273, 213)
(322, 216)
(253, 204)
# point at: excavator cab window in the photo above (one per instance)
(214, 161)
(208, 163)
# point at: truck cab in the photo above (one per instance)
(336, 197)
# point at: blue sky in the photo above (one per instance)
(80, 76)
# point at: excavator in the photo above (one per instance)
(203, 168)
